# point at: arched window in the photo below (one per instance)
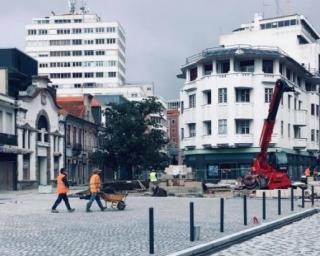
(43, 129)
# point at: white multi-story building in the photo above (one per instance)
(77, 51)
(226, 97)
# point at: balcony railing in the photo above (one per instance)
(76, 148)
(299, 143)
(8, 139)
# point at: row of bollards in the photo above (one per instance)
(245, 214)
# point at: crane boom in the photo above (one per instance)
(263, 175)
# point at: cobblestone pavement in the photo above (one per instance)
(28, 228)
(299, 238)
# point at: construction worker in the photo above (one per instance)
(307, 172)
(62, 189)
(95, 183)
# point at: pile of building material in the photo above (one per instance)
(179, 180)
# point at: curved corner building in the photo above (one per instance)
(227, 92)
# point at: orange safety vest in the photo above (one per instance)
(95, 183)
(307, 172)
(61, 187)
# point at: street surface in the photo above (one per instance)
(28, 228)
(300, 238)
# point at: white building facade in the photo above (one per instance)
(40, 132)
(225, 100)
(78, 51)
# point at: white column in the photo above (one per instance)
(258, 66)
(214, 67)
(51, 157)
(188, 75)
(276, 66)
(200, 70)
(33, 156)
(20, 167)
(231, 65)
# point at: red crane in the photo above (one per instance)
(262, 174)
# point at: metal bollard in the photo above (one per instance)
(292, 197)
(302, 198)
(191, 222)
(264, 205)
(245, 222)
(221, 214)
(312, 195)
(151, 231)
(279, 202)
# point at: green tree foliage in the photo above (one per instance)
(131, 140)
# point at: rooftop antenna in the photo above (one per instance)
(83, 7)
(72, 6)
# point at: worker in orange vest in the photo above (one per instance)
(62, 189)
(94, 186)
(307, 172)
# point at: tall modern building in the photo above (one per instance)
(227, 93)
(78, 51)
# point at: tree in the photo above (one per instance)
(132, 140)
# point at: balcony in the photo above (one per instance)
(243, 140)
(243, 110)
(8, 139)
(189, 142)
(300, 118)
(299, 143)
(313, 146)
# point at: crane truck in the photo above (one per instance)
(264, 175)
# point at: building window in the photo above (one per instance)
(76, 64)
(281, 128)
(76, 30)
(207, 127)
(192, 101)
(77, 85)
(88, 53)
(32, 32)
(100, 52)
(289, 130)
(100, 30)
(312, 134)
(222, 95)
(182, 133)
(112, 74)
(242, 95)
(267, 66)
(99, 74)
(223, 66)
(193, 74)
(88, 75)
(74, 137)
(192, 130)
(267, 95)
(288, 74)
(222, 126)
(246, 66)
(312, 109)
(243, 126)
(207, 97)
(88, 30)
(77, 75)
(99, 41)
(317, 137)
(111, 40)
(317, 110)
(296, 132)
(77, 42)
(281, 68)
(289, 101)
(207, 68)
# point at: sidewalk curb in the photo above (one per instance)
(227, 241)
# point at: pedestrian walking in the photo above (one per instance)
(307, 172)
(62, 190)
(94, 186)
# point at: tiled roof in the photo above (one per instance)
(72, 105)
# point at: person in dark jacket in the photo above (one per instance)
(62, 190)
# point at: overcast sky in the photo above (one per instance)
(160, 34)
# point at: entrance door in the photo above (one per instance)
(43, 179)
(6, 175)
